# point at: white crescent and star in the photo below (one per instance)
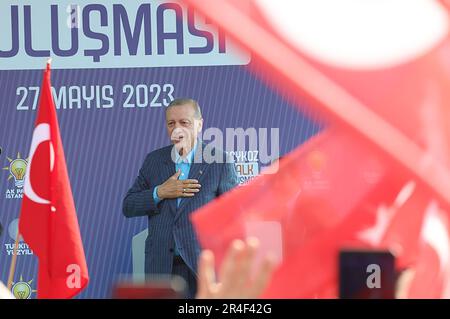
(41, 134)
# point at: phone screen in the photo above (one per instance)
(366, 274)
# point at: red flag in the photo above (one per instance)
(48, 220)
(430, 276)
(305, 212)
(312, 271)
(396, 99)
(383, 87)
(320, 201)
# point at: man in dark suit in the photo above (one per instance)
(173, 182)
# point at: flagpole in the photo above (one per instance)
(12, 268)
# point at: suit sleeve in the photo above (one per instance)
(139, 199)
(228, 179)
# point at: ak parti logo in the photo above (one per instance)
(17, 168)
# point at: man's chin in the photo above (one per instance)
(180, 146)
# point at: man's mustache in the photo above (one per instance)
(179, 135)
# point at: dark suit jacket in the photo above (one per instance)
(168, 224)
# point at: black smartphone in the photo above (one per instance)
(366, 274)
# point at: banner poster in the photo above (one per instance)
(116, 66)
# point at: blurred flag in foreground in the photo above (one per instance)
(48, 220)
(431, 274)
(378, 73)
(319, 201)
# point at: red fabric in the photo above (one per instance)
(320, 201)
(312, 272)
(48, 220)
(400, 109)
(431, 274)
(397, 114)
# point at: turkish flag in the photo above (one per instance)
(311, 271)
(430, 277)
(378, 72)
(48, 220)
(377, 68)
(308, 194)
(320, 200)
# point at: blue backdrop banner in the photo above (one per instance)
(116, 66)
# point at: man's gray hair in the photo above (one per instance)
(184, 101)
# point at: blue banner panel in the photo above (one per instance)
(111, 112)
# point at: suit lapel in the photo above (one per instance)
(169, 170)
